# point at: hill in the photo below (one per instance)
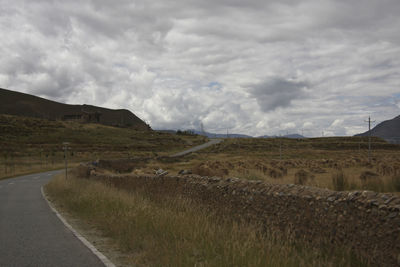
(388, 130)
(32, 144)
(21, 104)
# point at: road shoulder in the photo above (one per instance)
(99, 245)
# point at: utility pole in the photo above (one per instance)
(369, 138)
(65, 148)
(227, 133)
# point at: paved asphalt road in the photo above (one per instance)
(30, 233)
(196, 148)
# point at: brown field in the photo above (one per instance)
(333, 163)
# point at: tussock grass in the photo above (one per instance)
(177, 232)
(340, 181)
(322, 158)
(395, 183)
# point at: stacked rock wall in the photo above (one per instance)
(367, 222)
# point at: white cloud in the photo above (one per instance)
(255, 67)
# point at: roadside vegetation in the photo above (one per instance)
(32, 145)
(165, 231)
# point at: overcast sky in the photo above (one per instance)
(255, 67)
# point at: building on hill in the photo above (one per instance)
(84, 116)
(72, 117)
(91, 117)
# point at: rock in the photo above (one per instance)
(384, 197)
(373, 202)
(161, 172)
(331, 199)
(184, 172)
(392, 214)
(388, 200)
(382, 207)
(395, 208)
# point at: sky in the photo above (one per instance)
(255, 67)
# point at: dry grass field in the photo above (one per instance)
(32, 145)
(333, 163)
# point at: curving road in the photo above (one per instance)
(30, 233)
(196, 148)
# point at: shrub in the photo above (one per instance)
(317, 170)
(206, 169)
(366, 175)
(301, 177)
(372, 181)
(375, 184)
(340, 181)
(394, 184)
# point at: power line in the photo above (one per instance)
(369, 138)
(65, 148)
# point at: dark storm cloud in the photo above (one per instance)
(277, 92)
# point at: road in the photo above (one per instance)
(30, 233)
(196, 148)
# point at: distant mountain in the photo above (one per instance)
(292, 136)
(388, 130)
(209, 135)
(233, 135)
(215, 135)
(230, 135)
(20, 104)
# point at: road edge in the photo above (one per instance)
(85, 242)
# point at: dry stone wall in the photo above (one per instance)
(366, 221)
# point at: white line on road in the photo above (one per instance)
(49, 174)
(36, 177)
(99, 255)
(10, 183)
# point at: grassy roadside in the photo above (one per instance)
(176, 232)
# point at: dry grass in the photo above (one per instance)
(33, 145)
(321, 159)
(176, 232)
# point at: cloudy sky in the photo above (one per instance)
(254, 67)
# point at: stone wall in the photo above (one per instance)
(366, 221)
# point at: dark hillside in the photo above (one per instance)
(20, 104)
(388, 130)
